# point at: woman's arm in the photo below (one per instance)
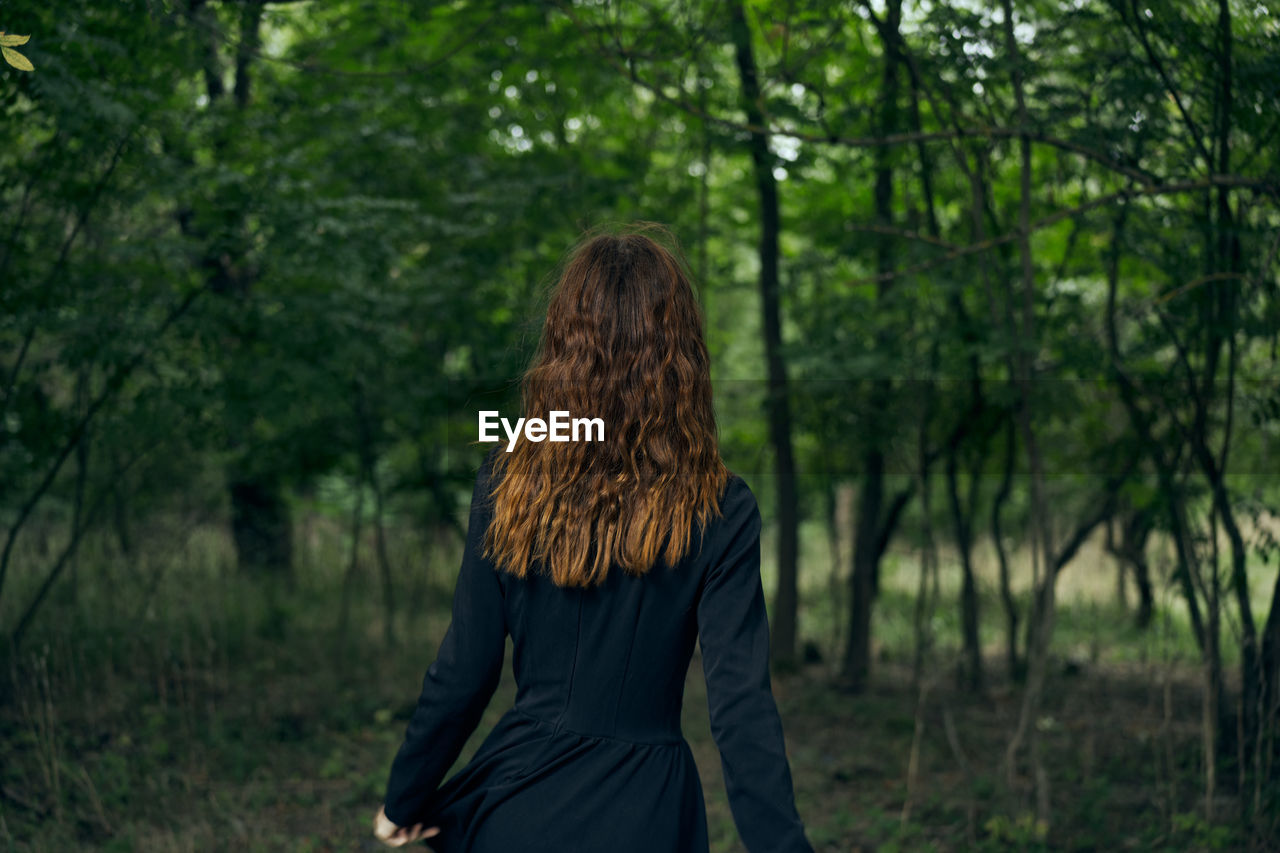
(733, 631)
(461, 681)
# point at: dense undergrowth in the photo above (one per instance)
(221, 713)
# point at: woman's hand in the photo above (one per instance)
(397, 836)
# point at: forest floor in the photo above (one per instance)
(206, 715)
(284, 744)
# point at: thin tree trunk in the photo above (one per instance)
(968, 584)
(963, 512)
(843, 521)
(120, 513)
(368, 450)
(1131, 554)
(110, 387)
(261, 525)
(1173, 495)
(1037, 653)
(924, 609)
(704, 184)
(384, 562)
(857, 660)
(783, 638)
(353, 560)
(1268, 746)
(68, 553)
(832, 523)
(82, 477)
(1213, 675)
(866, 559)
(997, 540)
(962, 523)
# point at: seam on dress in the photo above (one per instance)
(626, 666)
(675, 740)
(573, 669)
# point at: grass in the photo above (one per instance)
(172, 705)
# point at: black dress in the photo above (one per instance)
(591, 756)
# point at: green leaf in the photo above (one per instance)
(12, 40)
(16, 59)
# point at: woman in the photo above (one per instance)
(604, 561)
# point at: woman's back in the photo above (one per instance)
(605, 564)
(611, 660)
(591, 755)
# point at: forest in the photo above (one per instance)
(992, 297)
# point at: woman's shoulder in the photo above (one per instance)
(486, 466)
(736, 488)
(737, 503)
(485, 482)
(738, 521)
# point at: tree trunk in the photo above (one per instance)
(1041, 549)
(839, 523)
(783, 637)
(384, 561)
(353, 559)
(865, 579)
(968, 585)
(260, 521)
(1131, 553)
(857, 659)
(261, 526)
(998, 502)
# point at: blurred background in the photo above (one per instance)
(992, 300)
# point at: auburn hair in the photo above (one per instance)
(623, 342)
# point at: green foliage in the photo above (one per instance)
(1024, 832)
(1192, 829)
(299, 245)
(8, 42)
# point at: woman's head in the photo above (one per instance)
(622, 342)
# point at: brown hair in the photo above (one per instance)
(623, 342)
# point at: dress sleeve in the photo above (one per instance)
(733, 631)
(459, 683)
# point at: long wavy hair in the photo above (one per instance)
(622, 342)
